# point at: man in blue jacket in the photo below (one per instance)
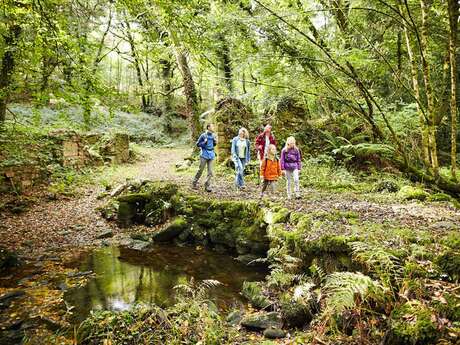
(206, 142)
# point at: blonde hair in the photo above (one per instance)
(245, 131)
(290, 140)
(271, 153)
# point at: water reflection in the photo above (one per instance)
(125, 277)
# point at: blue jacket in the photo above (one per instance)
(206, 142)
(235, 149)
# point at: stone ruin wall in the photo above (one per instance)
(72, 151)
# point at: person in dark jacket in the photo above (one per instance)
(206, 142)
(291, 163)
(263, 141)
(241, 155)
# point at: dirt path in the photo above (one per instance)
(58, 224)
(51, 225)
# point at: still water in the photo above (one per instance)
(125, 277)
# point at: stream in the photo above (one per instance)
(126, 277)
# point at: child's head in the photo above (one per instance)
(243, 133)
(290, 143)
(271, 151)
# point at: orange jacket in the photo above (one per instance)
(270, 170)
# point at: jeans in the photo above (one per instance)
(203, 163)
(239, 169)
(292, 175)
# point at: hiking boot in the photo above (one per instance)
(208, 189)
(194, 186)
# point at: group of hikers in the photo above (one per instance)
(271, 168)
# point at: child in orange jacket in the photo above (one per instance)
(270, 170)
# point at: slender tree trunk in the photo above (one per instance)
(399, 52)
(415, 85)
(166, 75)
(453, 26)
(11, 41)
(225, 63)
(190, 93)
(137, 64)
(428, 89)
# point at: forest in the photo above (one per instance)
(110, 111)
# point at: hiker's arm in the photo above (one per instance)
(282, 159)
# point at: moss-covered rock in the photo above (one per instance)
(170, 232)
(274, 333)
(412, 193)
(296, 312)
(449, 262)
(126, 213)
(134, 198)
(262, 320)
(276, 215)
(386, 186)
(412, 324)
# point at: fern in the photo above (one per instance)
(377, 259)
(343, 290)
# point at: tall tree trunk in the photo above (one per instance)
(190, 93)
(428, 89)
(11, 41)
(166, 75)
(225, 63)
(453, 26)
(415, 85)
(137, 64)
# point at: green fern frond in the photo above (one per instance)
(344, 289)
(376, 259)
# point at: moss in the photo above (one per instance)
(449, 262)
(173, 230)
(304, 223)
(126, 213)
(439, 197)
(452, 240)
(412, 193)
(135, 198)
(160, 190)
(448, 306)
(385, 186)
(253, 292)
(412, 324)
(444, 197)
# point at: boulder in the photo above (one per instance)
(136, 245)
(170, 232)
(274, 333)
(234, 317)
(262, 320)
(105, 234)
(8, 259)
